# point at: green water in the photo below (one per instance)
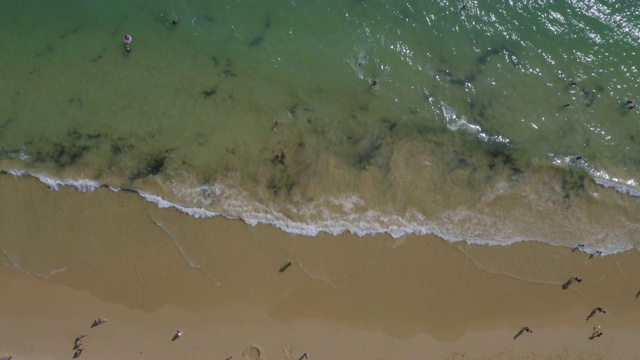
(265, 111)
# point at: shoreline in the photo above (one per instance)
(151, 271)
(87, 185)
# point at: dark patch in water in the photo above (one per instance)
(229, 72)
(93, 136)
(500, 156)
(462, 163)
(74, 101)
(6, 122)
(573, 183)
(228, 68)
(116, 149)
(66, 155)
(366, 157)
(215, 61)
(278, 159)
(70, 32)
(280, 182)
(256, 41)
(74, 134)
(481, 61)
(156, 164)
(212, 91)
(292, 109)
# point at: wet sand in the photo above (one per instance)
(70, 257)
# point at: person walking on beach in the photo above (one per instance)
(98, 321)
(576, 279)
(78, 353)
(78, 342)
(527, 329)
(602, 310)
(178, 334)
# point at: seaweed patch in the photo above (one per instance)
(256, 41)
(210, 92)
(66, 155)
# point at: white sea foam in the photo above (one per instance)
(601, 177)
(343, 214)
(80, 184)
(617, 187)
(455, 122)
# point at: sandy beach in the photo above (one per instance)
(70, 257)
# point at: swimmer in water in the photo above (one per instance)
(127, 42)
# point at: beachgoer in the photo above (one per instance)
(602, 310)
(576, 278)
(174, 22)
(573, 83)
(305, 356)
(7, 358)
(580, 246)
(180, 332)
(99, 321)
(78, 352)
(127, 42)
(374, 83)
(526, 328)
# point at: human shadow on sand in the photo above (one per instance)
(567, 283)
(284, 267)
(519, 333)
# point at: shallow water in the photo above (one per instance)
(264, 110)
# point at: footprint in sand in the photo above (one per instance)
(252, 352)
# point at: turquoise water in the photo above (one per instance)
(497, 123)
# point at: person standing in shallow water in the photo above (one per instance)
(127, 42)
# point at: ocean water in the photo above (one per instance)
(493, 123)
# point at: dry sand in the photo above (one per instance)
(71, 257)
